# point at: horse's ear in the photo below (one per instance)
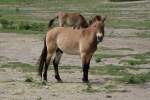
(104, 18)
(90, 21)
(98, 17)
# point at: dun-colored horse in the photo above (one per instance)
(61, 40)
(75, 20)
(96, 18)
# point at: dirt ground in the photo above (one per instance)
(27, 48)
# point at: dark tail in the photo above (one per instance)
(42, 58)
(51, 21)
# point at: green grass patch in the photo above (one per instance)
(101, 48)
(121, 74)
(38, 8)
(99, 56)
(23, 25)
(29, 79)
(22, 31)
(20, 66)
(143, 35)
(134, 62)
(142, 58)
(69, 67)
(89, 89)
(145, 55)
(136, 78)
(39, 98)
(123, 0)
(109, 70)
(15, 1)
(3, 58)
(128, 49)
(30, 68)
(135, 24)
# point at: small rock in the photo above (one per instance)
(108, 96)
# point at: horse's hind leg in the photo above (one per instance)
(46, 66)
(56, 62)
(51, 49)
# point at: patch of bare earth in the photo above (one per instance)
(27, 48)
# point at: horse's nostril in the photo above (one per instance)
(99, 39)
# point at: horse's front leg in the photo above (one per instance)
(85, 66)
(85, 72)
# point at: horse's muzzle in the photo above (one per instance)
(99, 39)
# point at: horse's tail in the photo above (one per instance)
(51, 21)
(42, 59)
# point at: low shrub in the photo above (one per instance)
(4, 23)
(23, 25)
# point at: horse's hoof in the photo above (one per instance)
(44, 82)
(59, 81)
(85, 80)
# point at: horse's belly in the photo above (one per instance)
(71, 52)
(68, 47)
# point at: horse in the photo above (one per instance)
(96, 18)
(61, 40)
(76, 20)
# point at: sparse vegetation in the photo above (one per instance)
(99, 56)
(109, 70)
(41, 11)
(142, 56)
(136, 78)
(135, 62)
(23, 25)
(39, 98)
(134, 24)
(123, 0)
(32, 16)
(129, 49)
(28, 79)
(89, 89)
(20, 66)
(122, 73)
(4, 23)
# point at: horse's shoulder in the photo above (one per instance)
(84, 32)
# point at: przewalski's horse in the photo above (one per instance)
(61, 40)
(96, 18)
(76, 20)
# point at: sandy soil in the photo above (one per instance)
(27, 48)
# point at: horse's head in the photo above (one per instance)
(95, 18)
(99, 26)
